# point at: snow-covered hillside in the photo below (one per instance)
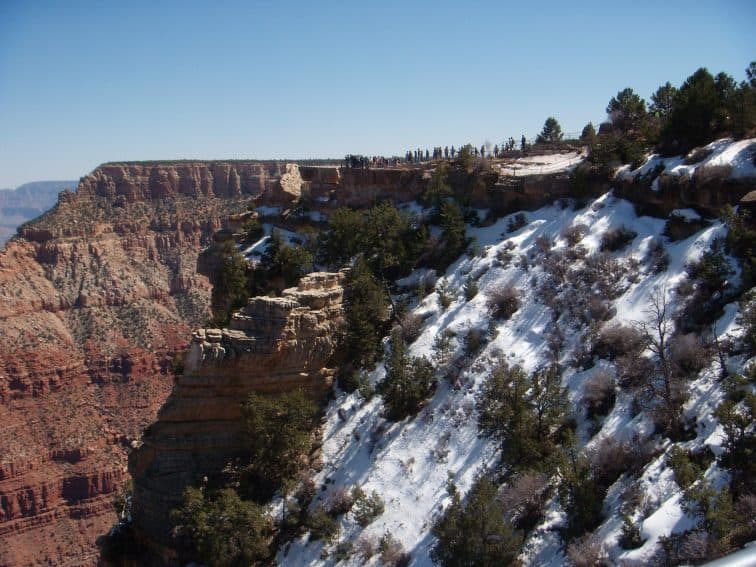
(409, 463)
(725, 157)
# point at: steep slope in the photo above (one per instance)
(568, 289)
(410, 463)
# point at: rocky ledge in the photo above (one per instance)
(273, 344)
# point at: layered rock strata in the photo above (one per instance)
(273, 344)
(96, 298)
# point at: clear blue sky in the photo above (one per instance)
(86, 82)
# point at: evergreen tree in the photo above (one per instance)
(588, 134)
(409, 381)
(551, 133)
(465, 157)
(627, 110)
(453, 239)
(283, 265)
(663, 101)
(278, 429)
(223, 529)
(693, 118)
(438, 187)
(229, 281)
(342, 241)
(366, 310)
(475, 532)
(523, 412)
(580, 495)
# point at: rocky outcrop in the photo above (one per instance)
(26, 202)
(273, 344)
(707, 190)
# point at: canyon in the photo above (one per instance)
(97, 297)
(100, 295)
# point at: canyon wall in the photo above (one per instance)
(273, 344)
(96, 297)
(100, 293)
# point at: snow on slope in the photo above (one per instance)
(409, 463)
(737, 156)
(542, 164)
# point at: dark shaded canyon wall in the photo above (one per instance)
(272, 345)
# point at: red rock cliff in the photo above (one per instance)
(95, 298)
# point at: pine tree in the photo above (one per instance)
(342, 240)
(551, 133)
(278, 429)
(229, 281)
(663, 101)
(224, 529)
(523, 412)
(453, 239)
(627, 110)
(409, 381)
(366, 310)
(588, 134)
(475, 532)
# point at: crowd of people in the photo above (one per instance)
(356, 161)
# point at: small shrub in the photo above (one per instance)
(474, 341)
(517, 222)
(587, 552)
(365, 547)
(574, 233)
(503, 301)
(689, 354)
(442, 346)
(475, 249)
(339, 502)
(686, 471)
(633, 371)
(505, 255)
(411, 325)
(598, 393)
(618, 340)
(471, 288)
(343, 550)
(322, 525)
(657, 256)
(444, 295)
(630, 537)
(392, 552)
(616, 239)
(366, 508)
(609, 459)
(599, 310)
(543, 244)
(524, 499)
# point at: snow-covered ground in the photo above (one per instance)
(539, 165)
(409, 463)
(738, 158)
